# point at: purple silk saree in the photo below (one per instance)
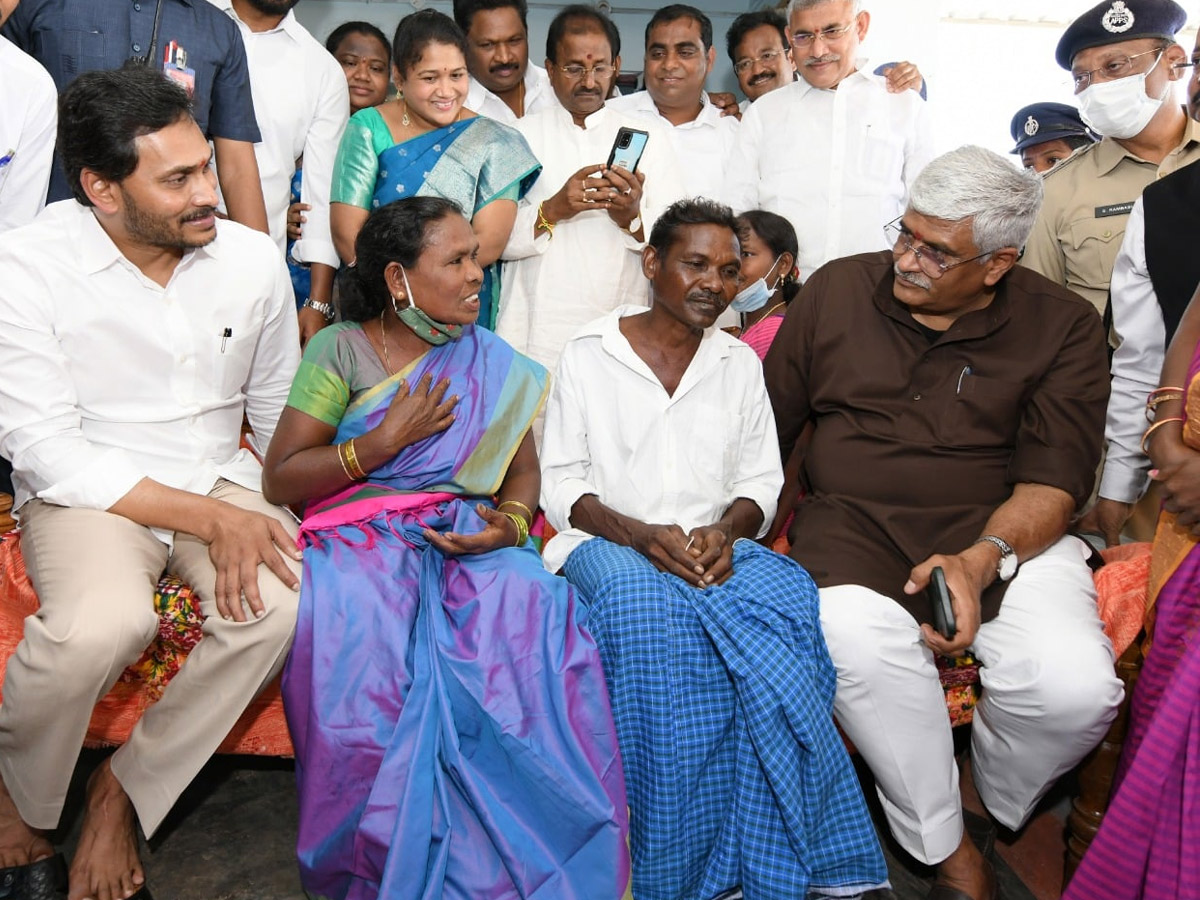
(452, 729)
(1148, 845)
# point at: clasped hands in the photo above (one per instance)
(701, 557)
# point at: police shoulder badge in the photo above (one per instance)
(1118, 19)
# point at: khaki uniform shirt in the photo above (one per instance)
(1088, 198)
(916, 442)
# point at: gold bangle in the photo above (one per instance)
(1163, 390)
(1154, 402)
(522, 528)
(545, 223)
(1155, 427)
(528, 511)
(342, 460)
(352, 459)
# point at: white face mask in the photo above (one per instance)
(1121, 108)
(755, 295)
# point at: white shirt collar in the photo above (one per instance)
(97, 250)
(289, 24)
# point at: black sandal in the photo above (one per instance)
(45, 879)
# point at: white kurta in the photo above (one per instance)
(1136, 365)
(838, 164)
(302, 104)
(612, 430)
(539, 96)
(28, 119)
(553, 286)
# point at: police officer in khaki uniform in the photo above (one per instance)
(1125, 62)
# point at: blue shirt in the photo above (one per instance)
(70, 37)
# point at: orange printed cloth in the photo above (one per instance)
(261, 731)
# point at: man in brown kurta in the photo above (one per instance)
(956, 406)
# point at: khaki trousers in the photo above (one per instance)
(95, 575)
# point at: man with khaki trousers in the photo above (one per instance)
(135, 330)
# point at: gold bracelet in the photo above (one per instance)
(352, 459)
(1155, 427)
(1162, 395)
(545, 223)
(522, 528)
(342, 460)
(528, 511)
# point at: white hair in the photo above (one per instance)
(1001, 199)
(800, 5)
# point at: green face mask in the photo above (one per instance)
(427, 329)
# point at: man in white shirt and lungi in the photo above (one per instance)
(138, 329)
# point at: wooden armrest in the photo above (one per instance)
(7, 522)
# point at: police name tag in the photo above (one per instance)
(1116, 209)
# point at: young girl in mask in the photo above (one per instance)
(769, 276)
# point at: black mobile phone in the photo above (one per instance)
(943, 610)
(627, 148)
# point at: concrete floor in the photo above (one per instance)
(232, 837)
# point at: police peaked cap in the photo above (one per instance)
(1113, 21)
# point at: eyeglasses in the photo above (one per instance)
(1117, 67)
(576, 72)
(802, 40)
(767, 58)
(933, 263)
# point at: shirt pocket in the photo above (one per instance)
(1094, 244)
(711, 448)
(880, 161)
(231, 358)
(986, 412)
(78, 50)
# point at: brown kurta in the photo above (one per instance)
(916, 443)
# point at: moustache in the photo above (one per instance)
(827, 58)
(199, 214)
(761, 77)
(712, 297)
(503, 67)
(912, 278)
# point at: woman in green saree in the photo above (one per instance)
(426, 143)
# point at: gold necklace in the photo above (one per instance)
(387, 363)
(779, 305)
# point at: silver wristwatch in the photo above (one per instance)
(325, 309)
(1007, 567)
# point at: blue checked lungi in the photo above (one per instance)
(723, 701)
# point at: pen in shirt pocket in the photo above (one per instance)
(8, 157)
(967, 370)
(225, 336)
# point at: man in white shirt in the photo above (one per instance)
(574, 252)
(678, 57)
(835, 152)
(504, 85)
(28, 116)
(302, 104)
(710, 642)
(143, 329)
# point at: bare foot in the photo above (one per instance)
(106, 864)
(19, 844)
(965, 870)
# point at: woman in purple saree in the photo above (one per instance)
(452, 730)
(1147, 844)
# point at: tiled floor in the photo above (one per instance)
(232, 837)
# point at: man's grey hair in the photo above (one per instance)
(801, 5)
(973, 183)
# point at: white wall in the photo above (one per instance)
(983, 60)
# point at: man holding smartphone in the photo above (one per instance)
(953, 408)
(575, 250)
